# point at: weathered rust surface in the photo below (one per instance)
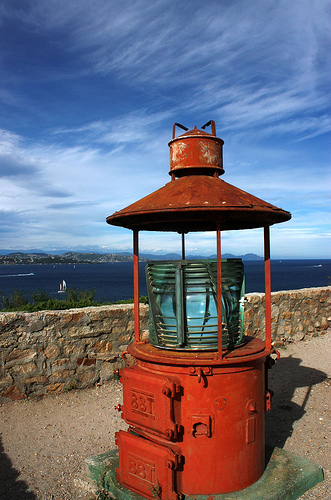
(252, 349)
(196, 150)
(198, 200)
(196, 417)
(198, 203)
(146, 467)
(210, 415)
(146, 395)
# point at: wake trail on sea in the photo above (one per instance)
(10, 275)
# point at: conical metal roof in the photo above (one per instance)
(198, 203)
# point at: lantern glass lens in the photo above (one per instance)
(183, 303)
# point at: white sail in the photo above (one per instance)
(62, 287)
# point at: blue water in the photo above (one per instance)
(114, 281)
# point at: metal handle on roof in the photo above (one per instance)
(213, 127)
(174, 129)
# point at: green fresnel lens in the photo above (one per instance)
(183, 303)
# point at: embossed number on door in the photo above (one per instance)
(141, 468)
(142, 403)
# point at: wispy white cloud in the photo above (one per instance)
(96, 183)
(250, 64)
(260, 69)
(8, 141)
(132, 129)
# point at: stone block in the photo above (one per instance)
(257, 333)
(324, 324)
(281, 331)
(52, 351)
(9, 321)
(24, 368)
(60, 362)
(87, 378)
(55, 387)
(288, 330)
(62, 374)
(106, 372)
(249, 314)
(20, 355)
(124, 338)
(82, 332)
(258, 323)
(85, 361)
(102, 346)
(8, 340)
(308, 325)
(70, 349)
(130, 325)
(105, 357)
(36, 380)
(5, 382)
(34, 324)
(118, 330)
(13, 393)
(277, 343)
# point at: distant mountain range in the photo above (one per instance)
(39, 257)
(177, 256)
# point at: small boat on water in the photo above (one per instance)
(63, 287)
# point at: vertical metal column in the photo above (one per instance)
(267, 278)
(219, 291)
(183, 246)
(136, 285)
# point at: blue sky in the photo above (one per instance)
(89, 92)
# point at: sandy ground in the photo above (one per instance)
(43, 444)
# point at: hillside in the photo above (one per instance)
(66, 258)
(37, 258)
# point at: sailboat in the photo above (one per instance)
(63, 287)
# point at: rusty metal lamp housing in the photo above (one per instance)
(196, 397)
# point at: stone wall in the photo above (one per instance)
(54, 351)
(295, 314)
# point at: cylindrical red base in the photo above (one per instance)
(209, 413)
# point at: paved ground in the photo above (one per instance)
(43, 443)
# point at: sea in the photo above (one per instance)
(113, 281)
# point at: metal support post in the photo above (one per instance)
(136, 285)
(267, 277)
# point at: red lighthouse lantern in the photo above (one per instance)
(195, 398)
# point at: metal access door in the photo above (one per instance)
(149, 402)
(146, 467)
